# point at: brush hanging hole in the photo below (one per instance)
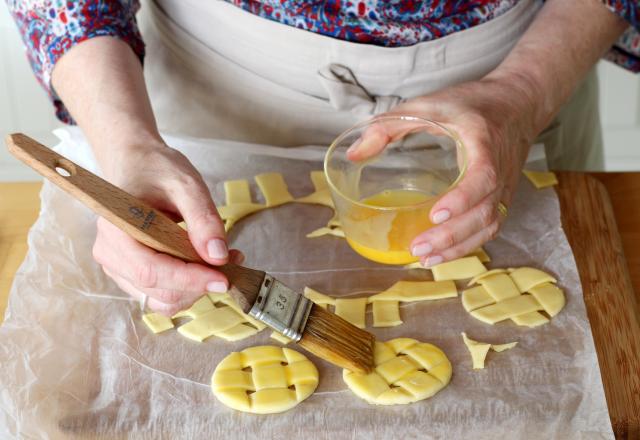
(63, 172)
(65, 168)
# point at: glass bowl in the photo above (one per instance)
(383, 198)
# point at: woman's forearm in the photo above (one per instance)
(563, 43)
(101, 83)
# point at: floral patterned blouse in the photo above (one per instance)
(51, 27)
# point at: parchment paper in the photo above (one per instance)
(78, 362)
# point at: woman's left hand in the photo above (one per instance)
(495, 119)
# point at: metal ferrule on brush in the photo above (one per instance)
(281, 308)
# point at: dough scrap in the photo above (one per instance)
(541, 179)
(238, 197)
(334, 222)
(460, 269)
(417, 291)
(237, 192)
(275, 192)
(502, 347)
(519, 294)
(214, 314)
(274, 189)
(157, 322)
(385, 305)
(406, 371)
(386, 313)
(335, 231)
(352, 310)
(239, 204)
(264, 379)
(279, 337)
(480, 253)
(321, 195)
(479, 350)
(318, 298)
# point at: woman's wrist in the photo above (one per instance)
(527, 99)
(125, 152)
(551, 59)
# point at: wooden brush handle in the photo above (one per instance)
(135, 217)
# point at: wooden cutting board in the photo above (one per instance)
(590, 225)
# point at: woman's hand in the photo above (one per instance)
(499, 116)
(165, 179)
(101, 83)
(494, 119)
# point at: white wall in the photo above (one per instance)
(24, 107)
(620, 112)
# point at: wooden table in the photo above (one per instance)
(598, 260)
(624, 192)
(19, 207)
(589, 218)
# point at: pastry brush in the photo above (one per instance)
(257, 293)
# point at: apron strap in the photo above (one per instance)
(345, 93)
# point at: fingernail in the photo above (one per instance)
(421, 249)
(441, 216)
(217, 287)
(217, 249)
(432, 261)
(354, 146)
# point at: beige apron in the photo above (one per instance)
(216, 71)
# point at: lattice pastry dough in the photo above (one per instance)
(516, 294)
(405, 371)
(264, 379)
(541, 179)
(460, 269)
(479, 350)
(215, 314)
(156, 322)
(385, 305)
(480, 253)
(279, 337)
(238, 197)
(322, 196)
(275, 192)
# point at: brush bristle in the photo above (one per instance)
(245, 284)
(332, 338)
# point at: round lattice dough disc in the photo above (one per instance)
(264, 379)
(516, 294)
(406, 371)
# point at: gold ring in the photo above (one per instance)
(502, 209)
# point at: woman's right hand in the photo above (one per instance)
(102, 85)
(164, 178)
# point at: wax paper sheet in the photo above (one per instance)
(78, 362)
